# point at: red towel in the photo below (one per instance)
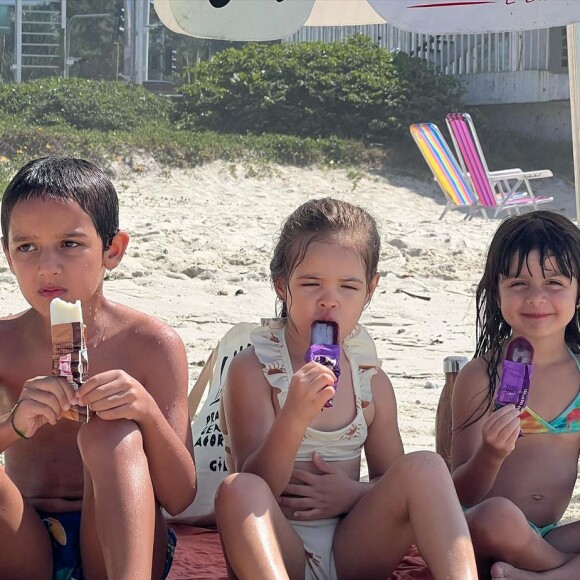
(198, 556)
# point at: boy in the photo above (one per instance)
(60, 235)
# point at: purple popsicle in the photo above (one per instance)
(517, 372)
(324, 347)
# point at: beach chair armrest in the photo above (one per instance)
(505, 172)
(519, 174)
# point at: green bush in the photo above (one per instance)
(352, 89)
(83, 104)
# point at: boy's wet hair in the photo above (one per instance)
(325, 220)
(557, 241)
(66, 179)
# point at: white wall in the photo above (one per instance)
(549, 120)
(527, 86)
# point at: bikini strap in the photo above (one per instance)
(575, 357)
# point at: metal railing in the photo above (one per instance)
(450, 53)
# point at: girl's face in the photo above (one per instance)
(536, 303)
(329, 284)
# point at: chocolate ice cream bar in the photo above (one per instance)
(516, 374)
(324, 347)
(69, 349)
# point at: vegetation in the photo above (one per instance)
(351, 89)
(347, 104)
(84, 104)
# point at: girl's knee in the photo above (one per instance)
(239, 489)
(421, 464)
(498, 526)
(239, 485)
(100, 440)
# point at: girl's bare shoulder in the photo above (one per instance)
(475, 369)
(471, 389)
(246, 361)
(246, 373)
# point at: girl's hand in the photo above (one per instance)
(310, 388)
(115, 395)
(500, 431)
(42, 400)
(320, 496)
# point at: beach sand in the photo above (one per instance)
(200, 247)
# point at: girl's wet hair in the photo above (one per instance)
(557, 241)
(325, 220)
(67, 179)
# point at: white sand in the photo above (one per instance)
(200, 250)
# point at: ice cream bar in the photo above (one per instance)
(516, 374)
(324, 347)
(69, 349)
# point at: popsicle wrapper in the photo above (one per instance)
(70, 360)
(327, 355)
(515, 384)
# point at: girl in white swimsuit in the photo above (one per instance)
(297, 507)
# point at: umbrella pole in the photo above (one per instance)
(573, 40)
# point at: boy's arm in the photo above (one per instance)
(42, 401)
(7, 434)
(158, 406)
(261, 442)
(166, 429)
(480, 444)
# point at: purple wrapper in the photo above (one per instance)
(515, 384)
(327, 355)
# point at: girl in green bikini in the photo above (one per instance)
(515, 470)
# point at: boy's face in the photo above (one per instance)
(54, 251)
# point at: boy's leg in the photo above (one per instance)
(500, 531)
(26, 550)
(414, 502)
(119, 510)
(258, 541)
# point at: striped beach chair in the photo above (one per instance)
(446, 171)
(506, 190)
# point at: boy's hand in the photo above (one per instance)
(500, 431)
(115, 395)
(42, 400)
(328, 495)
(310, 388)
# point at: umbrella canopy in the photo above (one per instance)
(272, 19)
(234, 19)
(351, 13)
(474, 16)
